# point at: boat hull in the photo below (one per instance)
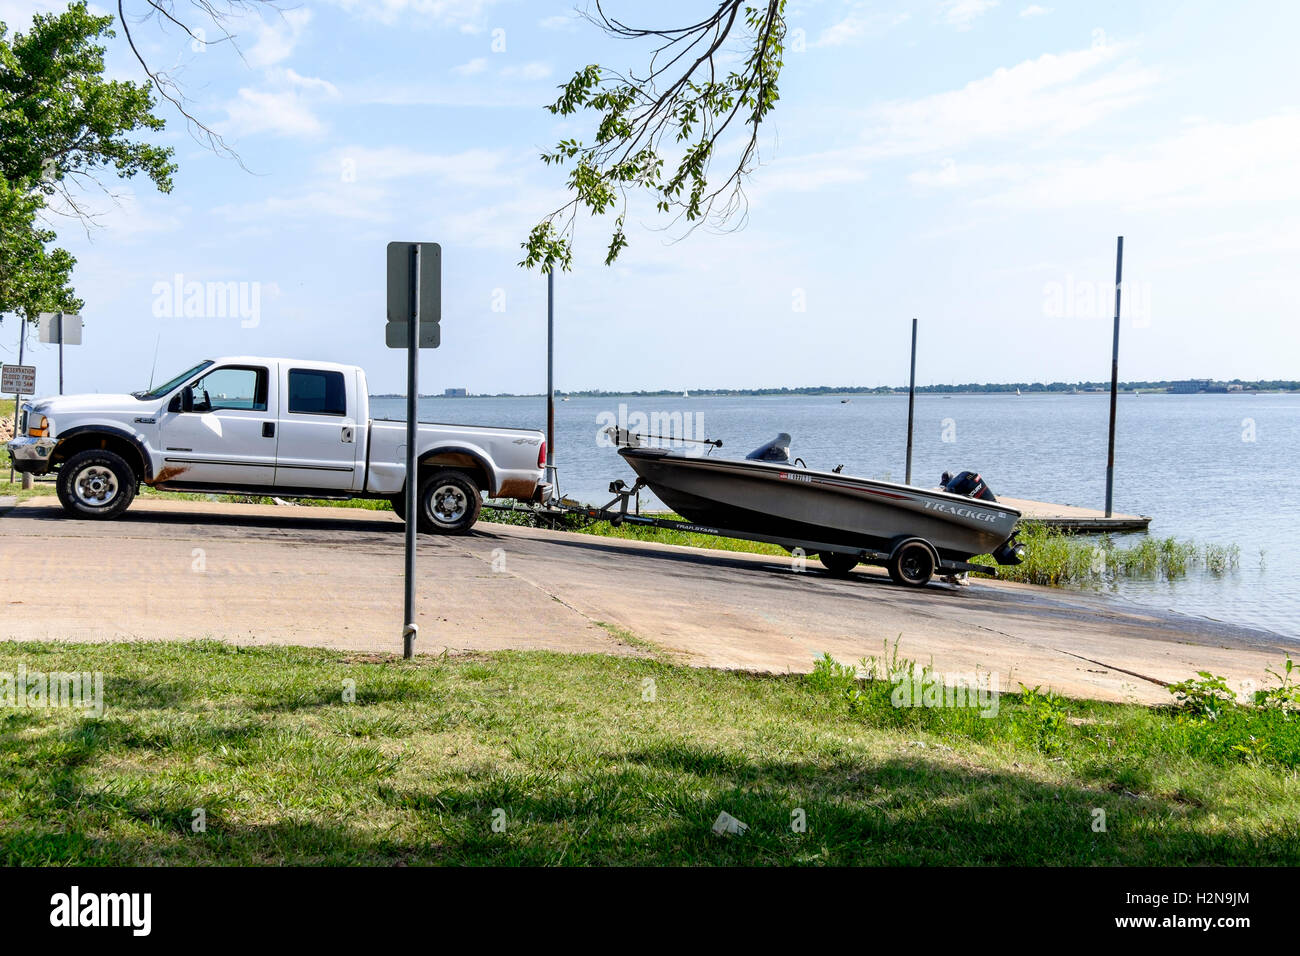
(797, 503)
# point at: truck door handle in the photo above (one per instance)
(347, 434)
(268, 429)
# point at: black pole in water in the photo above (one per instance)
(911, 406)
(1114, 381)
(550, 379)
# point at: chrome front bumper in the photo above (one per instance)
(31, 455)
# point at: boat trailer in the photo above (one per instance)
(839, 559)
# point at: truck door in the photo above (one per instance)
(318, 433)
(226, 437)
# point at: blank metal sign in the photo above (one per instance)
(399, 281)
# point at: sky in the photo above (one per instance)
(969, 163)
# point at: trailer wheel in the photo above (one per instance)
(95, 483)
(837, 563)
(449, 503)
(912, 564)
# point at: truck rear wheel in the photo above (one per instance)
(96, 483)
(449, 503)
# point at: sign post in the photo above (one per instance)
(414, 313)
(23, 388)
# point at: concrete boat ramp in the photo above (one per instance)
(332, 577)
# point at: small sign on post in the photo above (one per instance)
(18, 380)
(63, 328)
(414, 312)
(56, 327)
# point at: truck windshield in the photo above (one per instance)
(167, 386)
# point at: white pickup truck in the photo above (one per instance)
(268, 426)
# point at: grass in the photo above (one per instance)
(600, 760)
(1057, 559)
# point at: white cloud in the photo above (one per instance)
(558, 22)
(353, 202)
(436, 12)
(286, 111)
(472, 68)
(277, 39)
(962, 13)
(474, 167)
(1207, 164)
(535, 70)
(1054, 94)
(1034, 10)
(859, 23)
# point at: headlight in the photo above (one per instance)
(38, 426)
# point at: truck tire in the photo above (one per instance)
(449, 503)
(399, 505)
(96, 483)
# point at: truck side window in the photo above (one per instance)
(231, 387)
(317, 392)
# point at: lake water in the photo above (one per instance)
(1213, 468)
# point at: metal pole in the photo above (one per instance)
(60, 353)
(18, 399)
(550, 379)
(911, 406)
(412, 402)
(1114, 380)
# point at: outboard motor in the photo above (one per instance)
(968, 484)
(778, 450)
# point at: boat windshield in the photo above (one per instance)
(167, 386)
(778, 449)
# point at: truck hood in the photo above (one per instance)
(63, 404)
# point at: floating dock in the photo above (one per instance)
(1075, 519)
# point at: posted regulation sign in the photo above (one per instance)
(18, 380)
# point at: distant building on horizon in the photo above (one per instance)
(455, 393)
(1190, 385)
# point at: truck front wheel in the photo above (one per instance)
(96, 483)
(449, 503)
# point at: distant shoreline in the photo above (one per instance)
(1187, 387)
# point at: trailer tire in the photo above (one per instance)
(912, 563)
(449, 502)
(837, 563)
(95, 483)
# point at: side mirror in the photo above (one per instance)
(187, 399)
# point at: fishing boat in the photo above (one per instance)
(844, 519)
